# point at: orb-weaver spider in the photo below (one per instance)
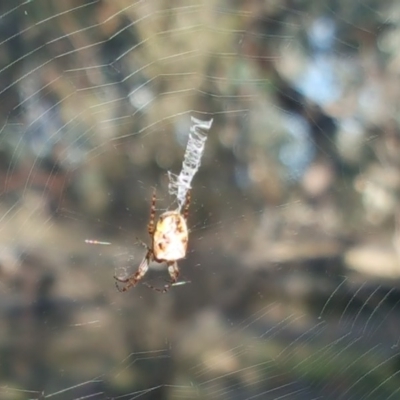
(169, 239)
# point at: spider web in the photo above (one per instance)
(290, 288)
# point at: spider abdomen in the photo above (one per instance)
(170, 237)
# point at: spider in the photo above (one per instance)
(169, 238)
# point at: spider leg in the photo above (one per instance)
(173, 272)
(137, 276)
(186, 205)
(150, 226)
(142, 244)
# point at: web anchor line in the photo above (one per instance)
(180, 184)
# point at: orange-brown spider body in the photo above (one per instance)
(169, 239)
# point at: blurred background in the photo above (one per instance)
(291, 281)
